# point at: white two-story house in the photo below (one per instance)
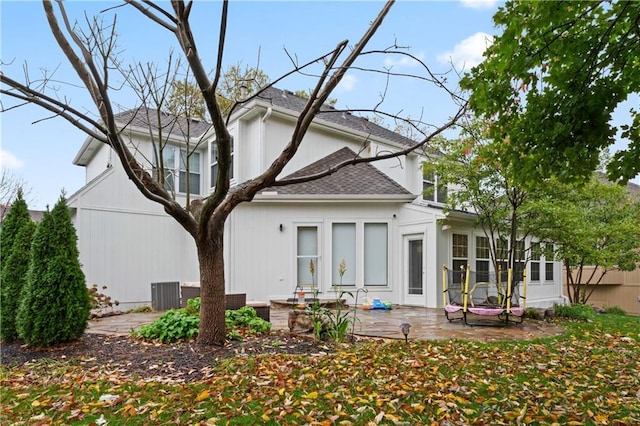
(373, 216)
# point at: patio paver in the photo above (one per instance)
(426, 324)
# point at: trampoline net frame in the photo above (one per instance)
(490, 290)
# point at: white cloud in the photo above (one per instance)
(347, 83)
(9, 161)
(398, 61)
(479, 4)
(468, 53)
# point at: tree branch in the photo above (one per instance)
(155, 18)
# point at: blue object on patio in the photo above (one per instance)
(378, 304)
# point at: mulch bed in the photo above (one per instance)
(184, 361)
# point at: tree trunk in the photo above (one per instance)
(569, 278)
(212, 293)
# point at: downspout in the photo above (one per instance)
(263, 133)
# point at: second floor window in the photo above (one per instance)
(432, 190)
(214, 162)
(182, 171)
(189, 172)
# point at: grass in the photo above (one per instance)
(589, 375)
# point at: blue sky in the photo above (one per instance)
(258, 33)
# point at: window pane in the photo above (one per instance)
(307, 255)
(194, 161)
(518, 271)
(213, 161)
(415, 267)
(535, 251)
(169, 157)
(168, 163)
(214, 175)
(308, 241)
(428, 191)
(168, 181)
(194, 172)
(459, 270)
(482, 270)
(501, 248)
(460, 246)
(214, 153)
(194, 183)
(548, 272)
(442, 193)
(375, 254)
(535, 271)
(343, 248)
(482, 247)
(519, 250)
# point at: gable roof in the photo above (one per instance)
(358, 179)
(288, 100)
(144, 118)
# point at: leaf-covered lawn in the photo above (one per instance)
(590, 375)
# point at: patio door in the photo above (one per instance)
(414, 291)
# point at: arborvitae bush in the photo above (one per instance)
(16, 218)
(14, 278)
(55, 306)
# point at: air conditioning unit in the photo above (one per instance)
(165, 296)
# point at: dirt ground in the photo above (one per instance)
(178, 361)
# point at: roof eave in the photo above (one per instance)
(319, 123)
(341, 198)
(86, 151)
(90, 145)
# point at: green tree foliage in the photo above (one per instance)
(16, 218)
(595, 225)
(486, 185)
(304, 94)
(14, 278)
(551, 81)
(237, 83)
(186, 100)
(55, 305)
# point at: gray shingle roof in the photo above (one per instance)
(358, 179)
(148, 118)
(286, 99)
(145, 117)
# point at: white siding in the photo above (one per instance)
(263, 257)
(99, 162)
(127, 242)
(127, 251)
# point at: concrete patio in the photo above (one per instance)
(426, 324)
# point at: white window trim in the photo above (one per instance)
(212, 162)
(176, 169)
(540, 261)
(435, 183)
(359, 281)
(318, 263)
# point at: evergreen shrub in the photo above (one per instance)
(13, 279)
(55, 306)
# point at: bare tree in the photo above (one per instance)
(10, 183)
(92, 56)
